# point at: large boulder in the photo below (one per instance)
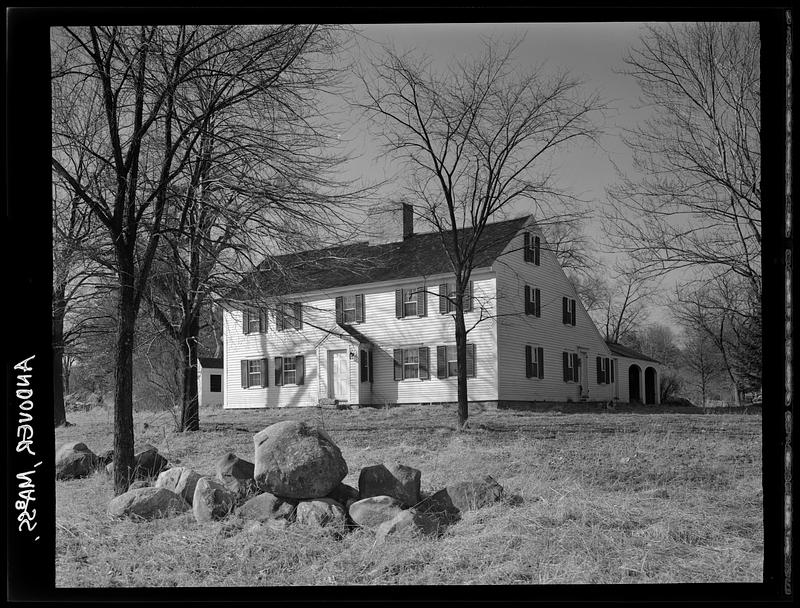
(147, 503)
(372, 512)
(236, 474)
(149, 463)
(465, 496)
(211, 500)
(409, 522)
(180, 480)
(74, 460)
(297, 460)
(266, 507)
(396, 480)
(321, 512)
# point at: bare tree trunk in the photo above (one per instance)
(461, 353)
(190, 410)
(59, 308)
(123, 381)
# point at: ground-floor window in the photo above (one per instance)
(447, 361)
(254, 373)
(572, 367)
(289, 370)
(534, 361)
(215, 382)
(411, 363)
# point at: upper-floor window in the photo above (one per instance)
(289, 315)
(410, 302)
(254, 321)
(411, 363)
(605, 373)
(447, 361)
(534, 362)
(215, 383)
(568, 311)
(289, 370)
(447, 298)
(254, 373)
(572, 367)
(533, 301)
(532, 247)
(350, 309)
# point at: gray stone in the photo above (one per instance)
(396, 480)
(408, 522)
(180, 480)
(74, 460)
(465, 496)
(344, 493)
(138, 484)
(149, 463)
(236, 474)
(297, 460)
(320, 512)
(212, 500)
(265, 507)
(372, 512)
(147, 503)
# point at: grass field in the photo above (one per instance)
(608, 497)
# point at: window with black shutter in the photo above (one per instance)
(533, 301)
(571, 363)
(410, 363)
(410, 302)
(364, 365)
(568, 311)
(536, 247)
(447, 361)
(350, 309)
(254, 373)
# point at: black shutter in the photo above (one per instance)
(360, 308)
(398, 303)
(339, 310)
(421, 301)
(441, 362)
(537, 296)
(536, 242)
(262, 321)
(576, 365)
(278, 371)
(564, 311)
(264, 377)
(370, 366)
(541, 362)
(245, 376)
(246, 321)
(444, 303)
(572, 311)
(280, 320)
(612, 369)
(567, 374)
(398, 363)
(600, 375)
(300, 369)
(363, 367)
(527, 246)
(423, 363)
(608, 370)
(528, 362)
(298, 315)
(470, 360)
(468, 298)
(527, 300)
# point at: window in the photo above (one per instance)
(289, 370)
(350, 309)
(366, 365)
(534, 362)
(572, 367)
(447, 361)
(533, 301)
(289, 315)
(254, 321)
(254, 374)
(411, 363)
(604, 374)
(531, 248)
(215, 383)
(447, 297)
(568, 311)
(410, 302)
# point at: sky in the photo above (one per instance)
(592, 52)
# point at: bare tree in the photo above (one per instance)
(702, 358)
(146, 132)
(622, 303)
(474, 139)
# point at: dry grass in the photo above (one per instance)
(607, 498)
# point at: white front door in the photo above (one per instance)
(338, 375)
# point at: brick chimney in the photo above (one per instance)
(408, 221)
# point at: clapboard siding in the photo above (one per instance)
(516, 329)
(384, 330)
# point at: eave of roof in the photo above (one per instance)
(624, 351)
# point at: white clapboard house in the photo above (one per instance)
(209, 381)
(365, 325)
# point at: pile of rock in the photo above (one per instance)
(297, 476)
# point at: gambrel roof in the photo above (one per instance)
(418, 255)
